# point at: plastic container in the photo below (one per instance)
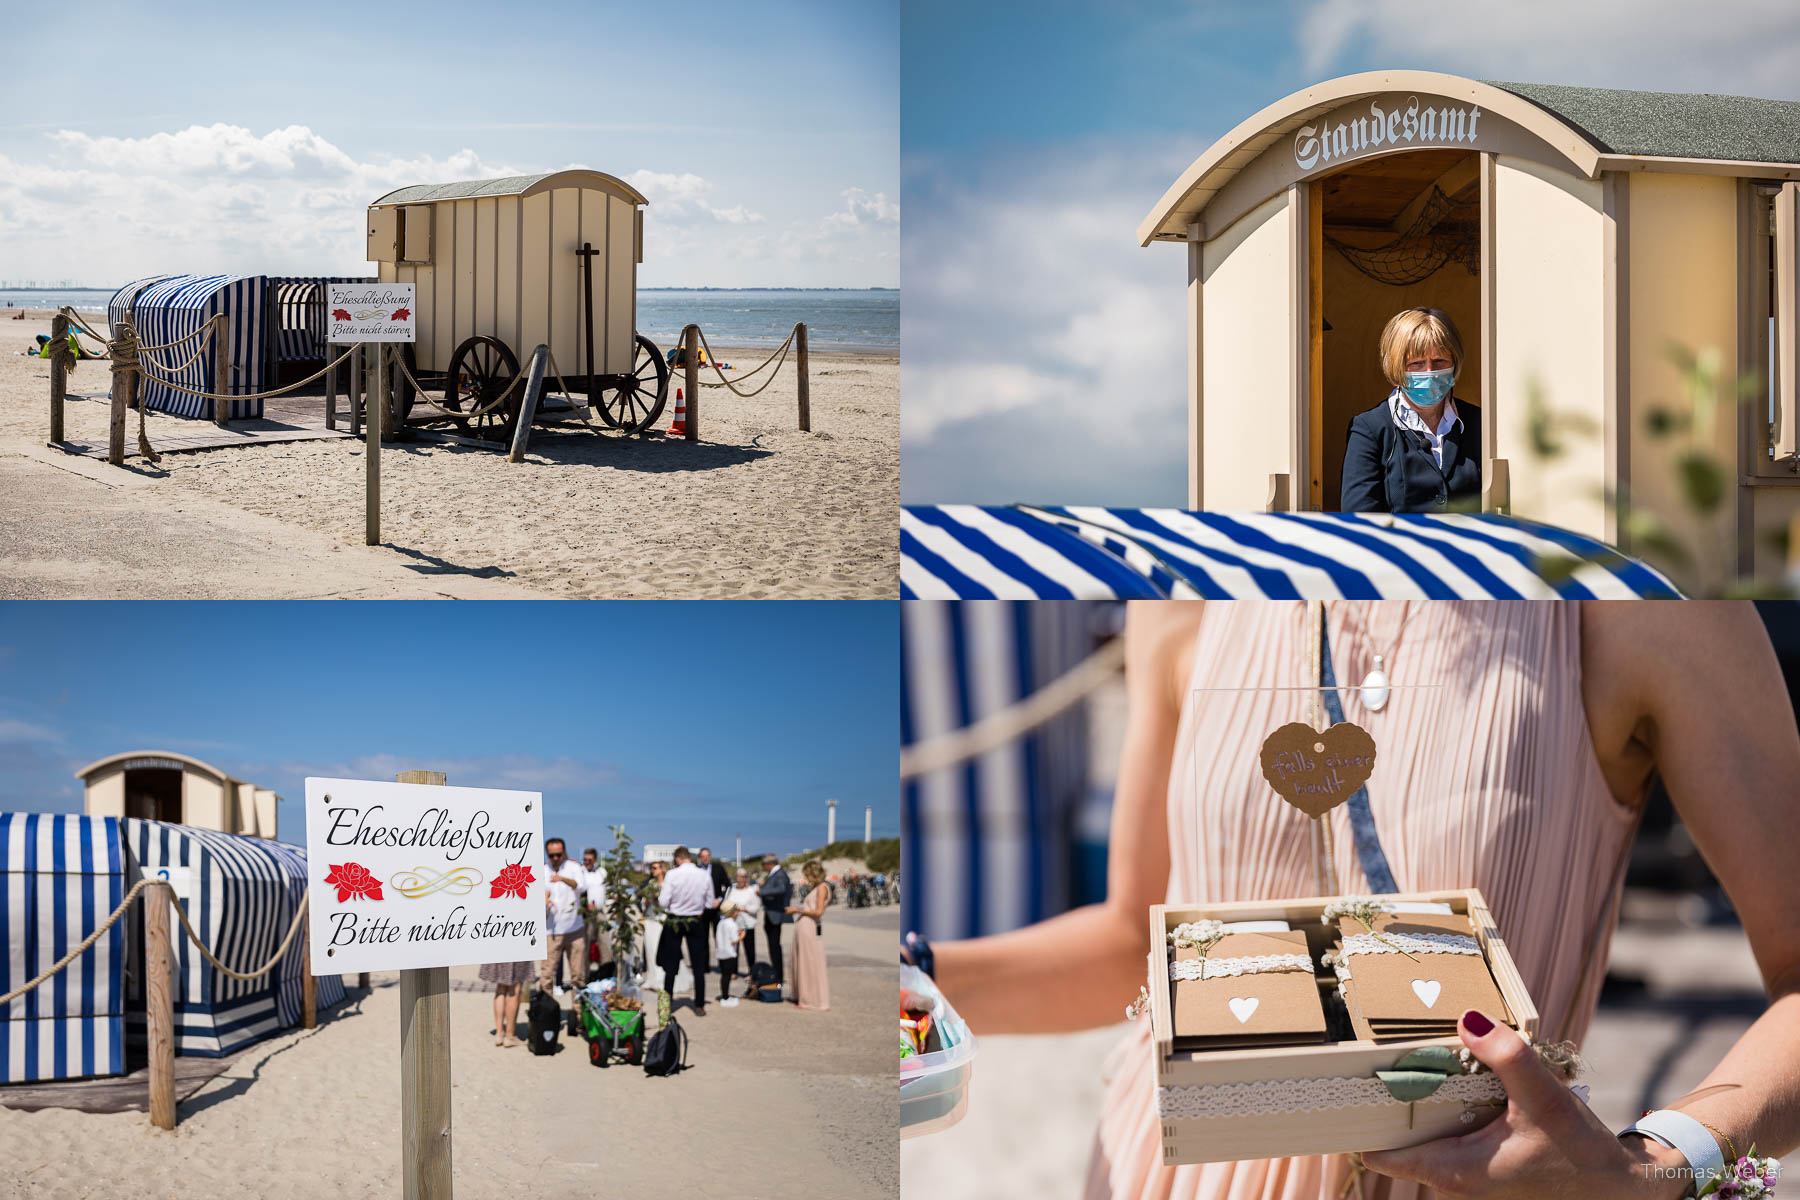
(934, 1088)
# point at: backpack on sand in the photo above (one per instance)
(544, 1020)
(667, 1052)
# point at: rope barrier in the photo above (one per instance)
(712, 361)
(193, 358)
(455, 413)
(123, 351)
(281, 391)
(81, 327)
(130, 898)
(997, 729)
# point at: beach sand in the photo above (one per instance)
(754, 510)
(775, 1102)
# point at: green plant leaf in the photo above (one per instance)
(1411, 1085)
(1431, 1058)
(1702, 481)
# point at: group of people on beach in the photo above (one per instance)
(701, 907)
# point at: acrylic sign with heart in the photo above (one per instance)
(1243, 1006)
(1316, 772)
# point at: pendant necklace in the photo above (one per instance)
(1375, 684)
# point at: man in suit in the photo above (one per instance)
(721, 883)
(777, 893)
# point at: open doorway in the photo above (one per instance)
(1400, 231)
(153, 794)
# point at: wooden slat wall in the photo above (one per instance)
(594, 216)
(487, 254)
(462, 270)
(443, 297)
(565, 279)
(534, 274)
(506, 276)
(621, 270)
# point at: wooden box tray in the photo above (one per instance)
(1224, 1105)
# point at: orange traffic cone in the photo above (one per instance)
(679, 428)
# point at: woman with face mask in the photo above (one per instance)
(1420, 449)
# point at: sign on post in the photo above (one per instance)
(369, 312)
(405, 875)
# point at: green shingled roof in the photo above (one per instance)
(1674, 124)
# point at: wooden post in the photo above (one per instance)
(425, 1066)
(691, 365)
(372, 455)
(222, 370)
(59, 378)
(309, 984)
(362, 980)
(528, 405)
(330, 390)
(396, 393)
(159, 1001)
(125, 386)
(353, 397)
(802, 388)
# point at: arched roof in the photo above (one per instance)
(1586, 130)
(511, 185)
(112, 760)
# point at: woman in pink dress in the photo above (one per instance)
(1523, 773)
(812, 988)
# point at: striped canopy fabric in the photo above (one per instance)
(171, 307)
(986, 844)
(60, 877)
(240, 893)
(297, 316)
(959, 551)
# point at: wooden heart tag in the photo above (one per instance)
(1316, 772)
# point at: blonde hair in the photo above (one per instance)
(814, 873)
(1413, 332)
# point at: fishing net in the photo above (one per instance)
(1418, 253)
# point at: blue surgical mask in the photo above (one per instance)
(1426, 388)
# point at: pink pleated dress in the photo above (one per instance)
(1489, 780)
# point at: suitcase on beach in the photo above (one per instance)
(545, 1022)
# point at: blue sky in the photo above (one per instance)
(1044, 353)
(770, 151)
(688, 721)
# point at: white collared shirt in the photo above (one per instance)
(1407, 417)
(563, 913)
(595, 891)
(686, 891)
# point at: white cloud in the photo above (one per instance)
(1044, 348)
(1742, 47)
(223, 198)
(14, 732)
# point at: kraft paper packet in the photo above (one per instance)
(1397, 996)
(1271, 1007)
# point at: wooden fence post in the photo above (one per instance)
(159, 1001)
(372, 418)
(124, 391)
(362, 980)
(691, 364)
(330, 391)
(222, 370)
(802, 388)
(309, 984)
(59, 378)
(425, 1066)
(353, 397)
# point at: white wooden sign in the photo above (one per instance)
(369, 312)
(405, 875)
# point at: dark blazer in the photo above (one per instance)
(1390, 469)
(777, 893)
(720, 880)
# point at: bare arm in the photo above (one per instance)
(1080, 969)
(1708, 707)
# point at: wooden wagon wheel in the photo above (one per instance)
(481, 369)
(407, 393)
(635, 401)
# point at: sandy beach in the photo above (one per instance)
(775, 1102)
(755, 510)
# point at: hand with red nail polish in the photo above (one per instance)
(1545, 1143)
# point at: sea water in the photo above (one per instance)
(742, 317)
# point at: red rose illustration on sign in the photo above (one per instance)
(400, 314)
(339, 314)
(511, 880)
(354, 881)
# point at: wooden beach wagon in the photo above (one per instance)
(501, 266)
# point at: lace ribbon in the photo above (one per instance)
(1416, 943)
(1267, 1097)
(1214, 968)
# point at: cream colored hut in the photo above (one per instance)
(1572, 233)
(515, 260)
(160, 785)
